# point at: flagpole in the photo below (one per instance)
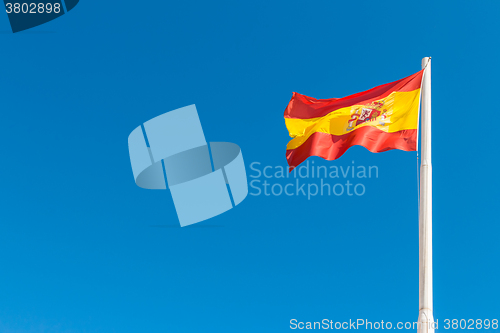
(425, 313)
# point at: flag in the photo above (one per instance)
(379, 119)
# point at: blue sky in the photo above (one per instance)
(83, 249)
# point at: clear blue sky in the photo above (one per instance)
(83, 249)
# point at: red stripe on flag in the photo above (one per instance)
(331, 147)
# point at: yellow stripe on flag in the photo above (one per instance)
(399, 111)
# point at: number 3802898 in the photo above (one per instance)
(33, 8)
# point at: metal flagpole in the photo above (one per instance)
(425, 313)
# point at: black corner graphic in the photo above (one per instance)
(70, 4)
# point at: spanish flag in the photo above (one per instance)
(379, 119)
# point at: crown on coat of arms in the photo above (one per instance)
(376, 105)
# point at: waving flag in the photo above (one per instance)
(379, 119)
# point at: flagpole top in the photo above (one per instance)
(425, 61)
